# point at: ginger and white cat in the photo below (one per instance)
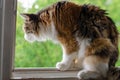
(88, 37)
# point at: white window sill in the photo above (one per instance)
(44, 73)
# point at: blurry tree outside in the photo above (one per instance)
(46, 54)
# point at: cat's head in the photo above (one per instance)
(37, 26)
(30, 27)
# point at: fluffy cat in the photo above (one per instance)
(88, 37)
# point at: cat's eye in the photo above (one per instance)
(29, 31)
(26, 28)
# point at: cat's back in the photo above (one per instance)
(94, 22)
(89, 20)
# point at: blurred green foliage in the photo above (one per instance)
(46, 54)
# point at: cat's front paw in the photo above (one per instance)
(62, 66)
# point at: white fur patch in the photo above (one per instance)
(30, 37)
(83, 44)
(66, 62)
(49, 33)
(81, 53)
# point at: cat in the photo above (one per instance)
(88, 37)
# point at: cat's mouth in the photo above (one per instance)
(29, 37)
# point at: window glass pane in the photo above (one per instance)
(47, 54)
(37, 54)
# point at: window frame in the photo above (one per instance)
(44, 73)
(7, 37)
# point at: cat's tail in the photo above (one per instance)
(113, 36)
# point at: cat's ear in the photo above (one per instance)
(25, 16)
(29, 17)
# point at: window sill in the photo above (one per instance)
(44, 74)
